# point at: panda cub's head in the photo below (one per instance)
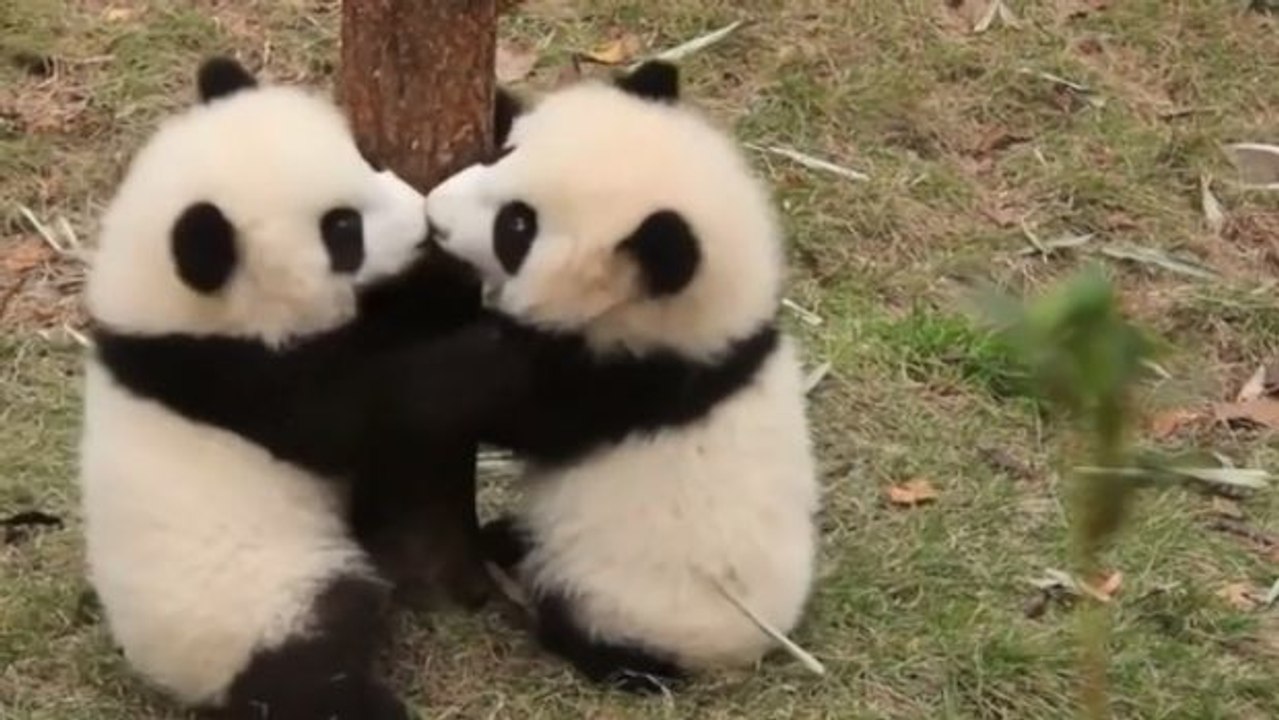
(251, 214)
(614, 212)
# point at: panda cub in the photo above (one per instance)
(234, 390)
(636, 262)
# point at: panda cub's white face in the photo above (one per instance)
(615, 212)
(252, 214)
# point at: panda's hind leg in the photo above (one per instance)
(619, 665)
(328, 672)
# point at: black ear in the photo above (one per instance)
(506, 107)
(654, 80)
(666, 251)
(203, 245)
(222, 76)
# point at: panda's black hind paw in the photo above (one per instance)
(653, 682)
(504, 542)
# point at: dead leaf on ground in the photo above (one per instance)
(1263, 411)
(119, 14)
(617, 51)
(1255, 232)
(1258, 539)
(1002, 212)
(1166, 424)
(1258, 163)
(912, 493)
(1214, 215)
(514, 61)
(20, 256)
(1226, 508)
(1241, 595)
(1254, 387)
(979, 15)
(996, 139)
(1104, 586)
(1264, 381)
(1090, 45)
(1119, 221)
(1075, 9)
(1005, 461)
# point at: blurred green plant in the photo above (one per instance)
(1084, 360)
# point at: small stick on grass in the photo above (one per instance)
(697, 44)
(811, 162)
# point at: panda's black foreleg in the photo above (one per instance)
(504, 542)
(619, 665)
(327, 672)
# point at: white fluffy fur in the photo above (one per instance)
(594, 163)
(274, 160)
(201, 546)
(633, 532)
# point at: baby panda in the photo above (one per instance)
(235, 394)
(635, 260)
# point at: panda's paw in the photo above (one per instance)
(379, 703)
(647, 683)
(504, 543)
(469, 586)
(367, 700)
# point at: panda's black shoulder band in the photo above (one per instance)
(583, 400)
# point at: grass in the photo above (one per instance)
(919, 612)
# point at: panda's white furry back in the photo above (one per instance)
(228, 259)
(637, 260)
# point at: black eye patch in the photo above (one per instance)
(203, 245)
(342, 230)
(514, 229)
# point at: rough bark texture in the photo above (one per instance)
(417, 80)
(417, 83)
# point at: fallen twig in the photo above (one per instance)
(815, 377)
(697, 44)
(1245, 531)
(42, 230)
(81, 339)
(803, 656)
(811, 162)
(1150, 256)
(1050, 247)
(805, 315)
(1058, 80)
(1214, 216)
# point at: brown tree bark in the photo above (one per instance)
(417, 82)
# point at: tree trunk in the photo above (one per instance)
(417, 82)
